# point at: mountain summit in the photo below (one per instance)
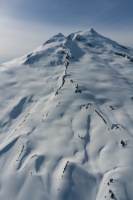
(67, 121)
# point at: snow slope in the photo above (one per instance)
(67, 121)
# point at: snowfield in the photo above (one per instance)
(66, 123)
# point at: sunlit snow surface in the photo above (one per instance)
(66, 121)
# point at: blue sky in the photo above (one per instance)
(26, 24)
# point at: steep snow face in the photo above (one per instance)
(67, 121)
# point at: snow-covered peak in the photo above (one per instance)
(66, 121)
(83, 34)
(94, 39)
(55, 38)
(59, 35)
(92, 30)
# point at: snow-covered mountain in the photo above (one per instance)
(67, 121)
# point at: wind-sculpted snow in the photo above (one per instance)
(67, 121)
